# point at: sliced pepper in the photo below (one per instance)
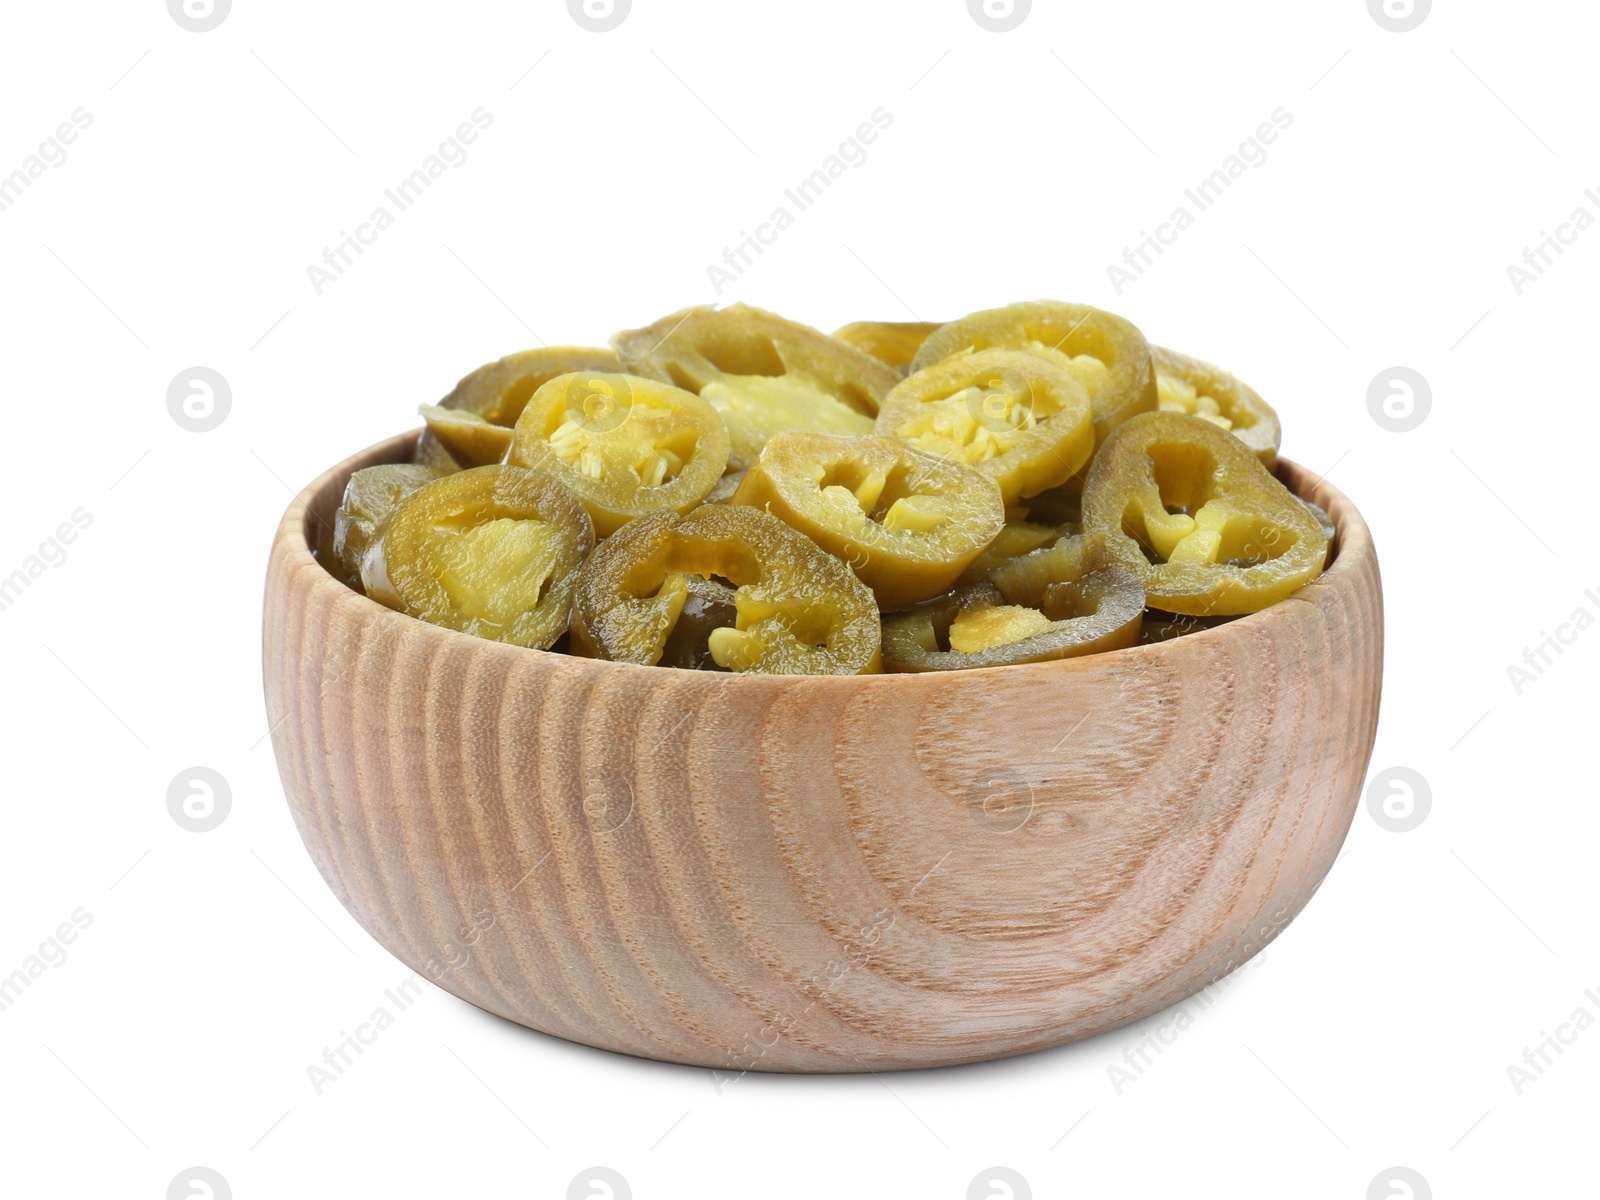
(498, 391)
(1191, 511)
(762, 373)
(430, 452)
(1188, 385)
(1013, 541)
(369, 498)
(1105, 352)
(892, 342)
(625, 446)
(467, 438)
(1062, 604)
(907, 523)
(708, 605)
(797, 610)
(492, 551)
(1027, 578)
(1020, 418)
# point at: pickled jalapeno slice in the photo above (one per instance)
(369, 498)
(892, 342)
(1019, 418)
(1014, 540)
(491, 551)
(1027, 578)
(1191, 511)
(1061, 606)
(430, 452)
(624, 445)
(1188, 385)
(906, 522)
(762, 373)
(796, 609)
(1106, 353)
(497, 392)
(707, 605)
(467, 438)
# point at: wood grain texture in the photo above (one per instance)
(820, 874)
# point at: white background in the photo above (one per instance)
(1375, 1032)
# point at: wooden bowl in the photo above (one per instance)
(820, 873)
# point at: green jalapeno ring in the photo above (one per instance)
(1121, 386)
(906, 522)
(497, 392)
(798, 610)
(1021, 419)
(1195, 515)
(1060, 602)
(1096, 612)
(1186, 384)
(893, 342)
(624, 445)
(370, 498)
(492, 551)
(764, 374)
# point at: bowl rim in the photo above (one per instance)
(294, 544)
